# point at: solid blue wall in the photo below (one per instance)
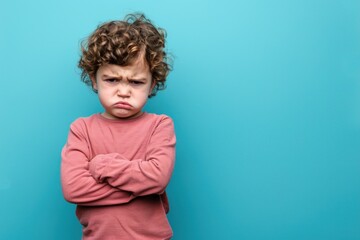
(266, 100)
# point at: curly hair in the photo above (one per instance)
(121, 42)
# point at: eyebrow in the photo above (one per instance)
(112, 76)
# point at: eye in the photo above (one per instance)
(111, 80)
(136, 82)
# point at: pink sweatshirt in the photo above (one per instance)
(116, 171)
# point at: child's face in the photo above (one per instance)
(123, 90)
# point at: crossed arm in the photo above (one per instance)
(109, 179)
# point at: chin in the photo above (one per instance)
(130, 115)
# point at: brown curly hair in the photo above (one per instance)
(121, 42)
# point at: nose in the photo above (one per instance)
(123, 90)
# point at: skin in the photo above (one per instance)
(123, 90)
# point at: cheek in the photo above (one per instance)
(143, 95)
(106, 91)
(145, 91)
(104, 94)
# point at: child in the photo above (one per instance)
(117, 164)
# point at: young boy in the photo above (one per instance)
(117, 164)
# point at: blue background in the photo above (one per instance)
(265, 96)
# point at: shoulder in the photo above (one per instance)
(82, 122)
(159, 117)
(163, 125)
(160, 120)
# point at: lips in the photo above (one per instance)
(124, 105)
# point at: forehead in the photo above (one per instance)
(138, 68)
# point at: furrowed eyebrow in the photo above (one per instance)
(110, 76)
(120, 77)
(138, 79)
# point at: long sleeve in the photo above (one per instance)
(78, 185)
(145, 176)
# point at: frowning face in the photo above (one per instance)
(123, 90)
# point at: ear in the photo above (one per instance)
(94, 83)
(153, 83)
